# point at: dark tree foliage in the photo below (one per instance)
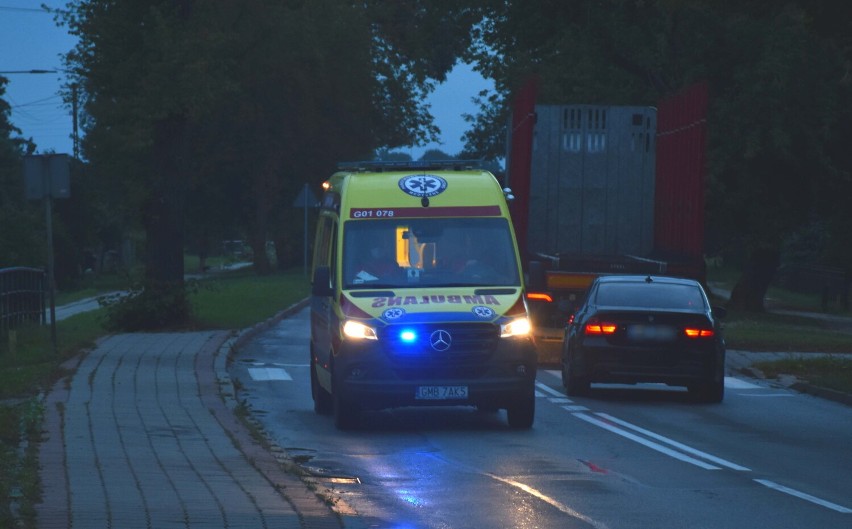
(22, 238)
(206, 119)
(779, 75)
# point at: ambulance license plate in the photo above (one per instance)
(441, 392)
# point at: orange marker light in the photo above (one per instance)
(540, 296)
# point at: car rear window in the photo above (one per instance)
(650, 295)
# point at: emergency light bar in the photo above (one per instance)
(378, 166)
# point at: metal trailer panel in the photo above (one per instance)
(679, 210)
(592, 180)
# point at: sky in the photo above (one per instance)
(31, 40)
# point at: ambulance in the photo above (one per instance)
(418, 294)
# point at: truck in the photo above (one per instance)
(603, 189)
(418, 296)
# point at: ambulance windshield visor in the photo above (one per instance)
(388, 253)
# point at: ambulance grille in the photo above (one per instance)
(470, 343)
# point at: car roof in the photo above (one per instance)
(644, 278)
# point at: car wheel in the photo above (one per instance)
(711, 392)
(575, 386)
(322, 398)
(521, 413)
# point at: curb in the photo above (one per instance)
(824, 393)
(802, 387)
(317, 511)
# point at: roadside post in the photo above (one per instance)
(305, 200)
(48, 176)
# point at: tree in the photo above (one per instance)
(18, 246)
(146, 72)
(776, 76)
(218, 112)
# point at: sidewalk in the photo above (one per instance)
(140, 437)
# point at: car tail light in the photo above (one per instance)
(692, 332)
(598, 327)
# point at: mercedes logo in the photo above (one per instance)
(440, 340)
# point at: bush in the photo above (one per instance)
(157, 306)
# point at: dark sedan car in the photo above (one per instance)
(635, 329)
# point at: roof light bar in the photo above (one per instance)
(381, 166)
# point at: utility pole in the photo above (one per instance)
(47, 176)
(74, 131)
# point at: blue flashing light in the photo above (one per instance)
(408, 336)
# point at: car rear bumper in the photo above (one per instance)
(628, 366)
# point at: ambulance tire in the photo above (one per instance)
(347, 414)
(323, 404)
(521, 413)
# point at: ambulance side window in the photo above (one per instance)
(322, 243)
(333, 252)
(325, 246)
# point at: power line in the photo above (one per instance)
(29, 9)
(36, 102)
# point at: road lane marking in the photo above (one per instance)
(680, 446)
(550, 501)
(650, 444)
(738, 383)
(803, 496)
(266, 374)
(786, 395)
(547, 389)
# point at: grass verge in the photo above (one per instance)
(786, 333)
(830, 372)
(29, 365)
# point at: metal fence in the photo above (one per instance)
(22, 297)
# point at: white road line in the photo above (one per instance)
(547, 499)
(806, 497)
(738, 383)
(275, 364)
(771, 395)
(680, 446)
(547, 389)
(650, 444)
(265, 374)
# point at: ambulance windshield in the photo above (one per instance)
(387, 253)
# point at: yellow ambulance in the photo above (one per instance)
(418, 294)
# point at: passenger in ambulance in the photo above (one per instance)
(376, 262)
(469, 260)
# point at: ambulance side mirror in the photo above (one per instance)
(536, 276)
(321, 285)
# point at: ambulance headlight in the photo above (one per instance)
(358, 331)
(516, 327)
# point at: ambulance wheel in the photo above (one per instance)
(521, 413)
(323, 404)
(347, 415)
